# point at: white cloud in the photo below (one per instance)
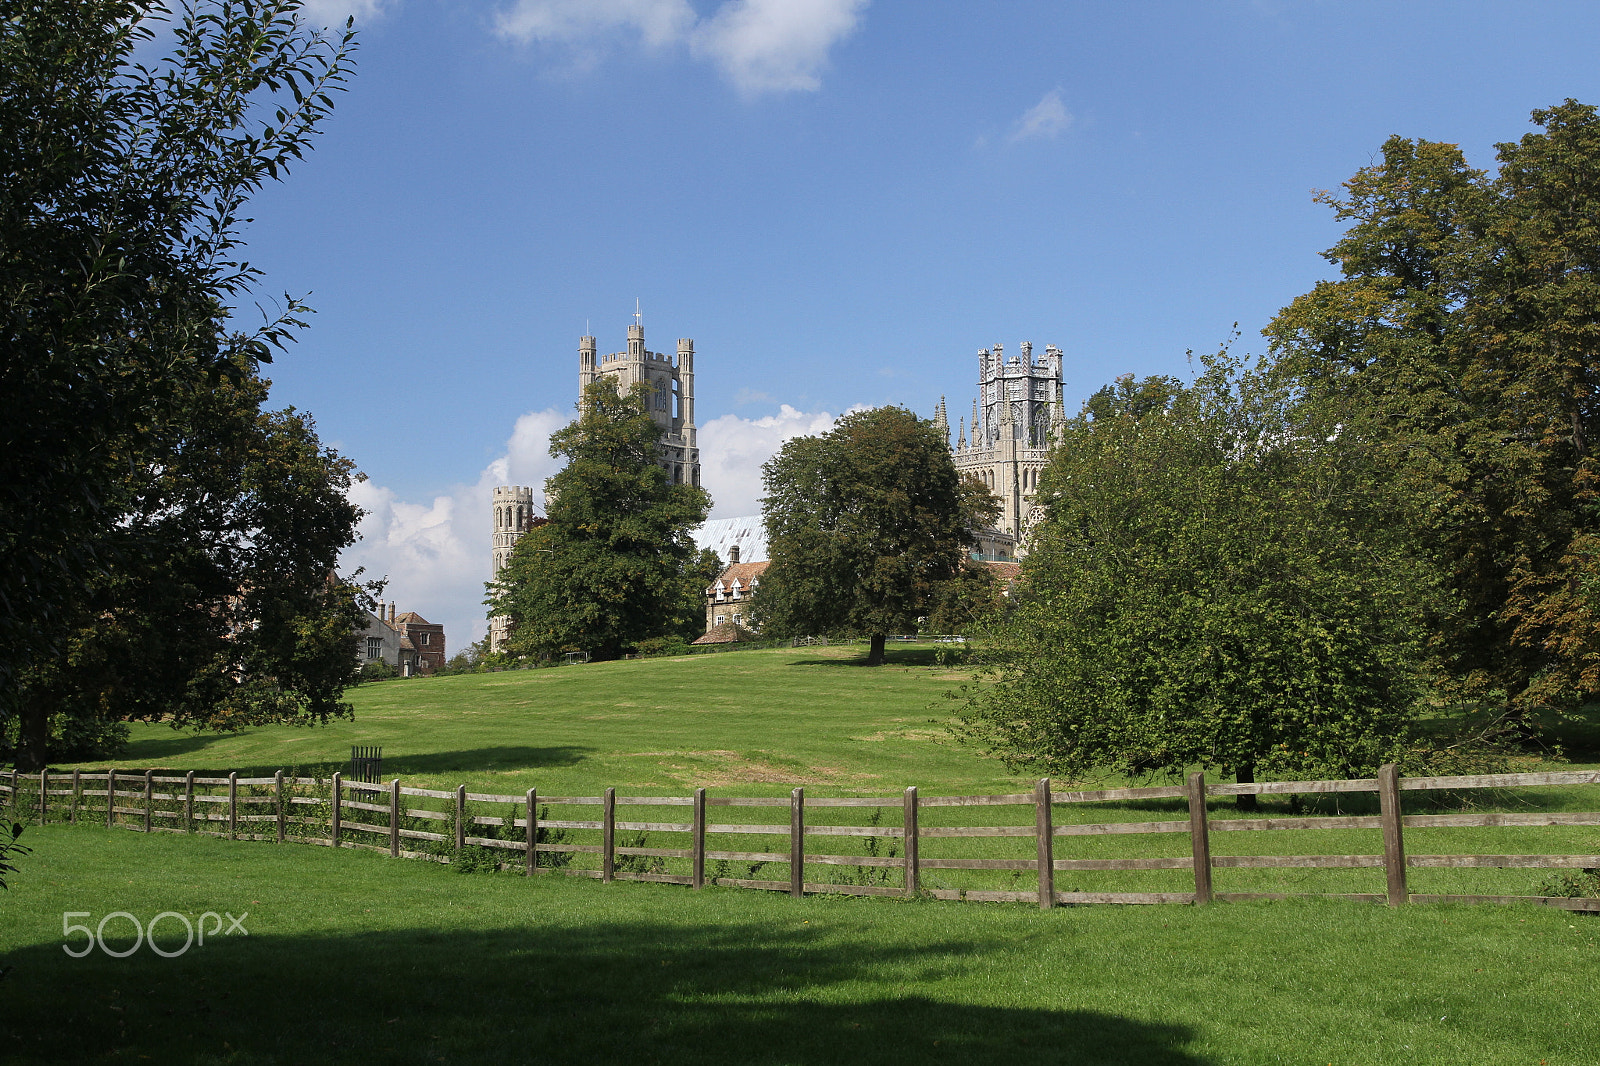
(760, 45)
(657, 22)
(321, 13)
(436, 554)
(1043, 121)
(732, 450)
(775, 45)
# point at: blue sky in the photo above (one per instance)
(840, 201)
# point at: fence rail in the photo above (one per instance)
(336, 818)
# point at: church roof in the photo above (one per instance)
(721, 534)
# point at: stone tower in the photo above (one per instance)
(513, 516)
(671, 403)
(1015, 420)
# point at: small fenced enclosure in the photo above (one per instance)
(1045, 846)
(366, 764)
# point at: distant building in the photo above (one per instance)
(670, 384)
(1016, 418)
(409, 643)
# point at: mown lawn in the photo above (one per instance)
(355, 957)
(760, 722)
(750, 721)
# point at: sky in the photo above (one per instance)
(840, 201)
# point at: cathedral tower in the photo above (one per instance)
(1015, 421)
(512, 509)
(671, 395)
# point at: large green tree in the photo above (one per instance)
(614, 563)
(867, 525)
(1213, 583)
(1461, 339)
(120, 265)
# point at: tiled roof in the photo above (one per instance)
(1007, 572)
(413, 617)
(744, 573)
(726, 633)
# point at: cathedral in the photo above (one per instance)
(670, 385)
(1015, 419)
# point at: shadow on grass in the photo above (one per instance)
(594, 992)
(474, 760)
(153, 751)
(891, 657)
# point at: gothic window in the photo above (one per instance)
(661, 395)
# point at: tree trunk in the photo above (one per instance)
(875, 655)
(33, 747)
(1245, 774)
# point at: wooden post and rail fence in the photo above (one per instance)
(280, 808)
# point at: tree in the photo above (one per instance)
(1211, 584)
(612, 564)
(119, 267)
(864, 525)
(1461, 340)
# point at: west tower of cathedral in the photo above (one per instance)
(671, 395)
(1015, 420)
(670, 401)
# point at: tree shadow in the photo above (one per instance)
(891, 657)
(474, 760)
(153, 751)
(555, 991)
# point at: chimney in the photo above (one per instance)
(733, 555)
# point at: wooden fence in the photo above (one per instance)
(387, 818)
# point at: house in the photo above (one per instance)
(728, 600)
(409, 643)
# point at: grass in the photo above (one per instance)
(353, 957)
(756, 722)
(761, 722)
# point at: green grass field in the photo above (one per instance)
(354, 957)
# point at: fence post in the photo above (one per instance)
(699, 833)
(1199, 837)
(111, 796)
(533, 832)
(277, 794)
(44, 794)
(1394, 847)
(797, 843)
(72, 808)
(149, 798)
(188, 801)
(913, 859)
(1044, 833)
(335, 815)
(608, 837)
(233, 804)
(394, 818)
(461, 818)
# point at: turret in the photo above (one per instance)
(586, 367)
(686, 387)
(636, 342)
(941, 422)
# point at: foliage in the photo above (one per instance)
(1460, 340)
(1212, 584)
(864, 523)
(972, 598)
(377, 670)
(614, 564)
(120, 218)
(10, 849)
